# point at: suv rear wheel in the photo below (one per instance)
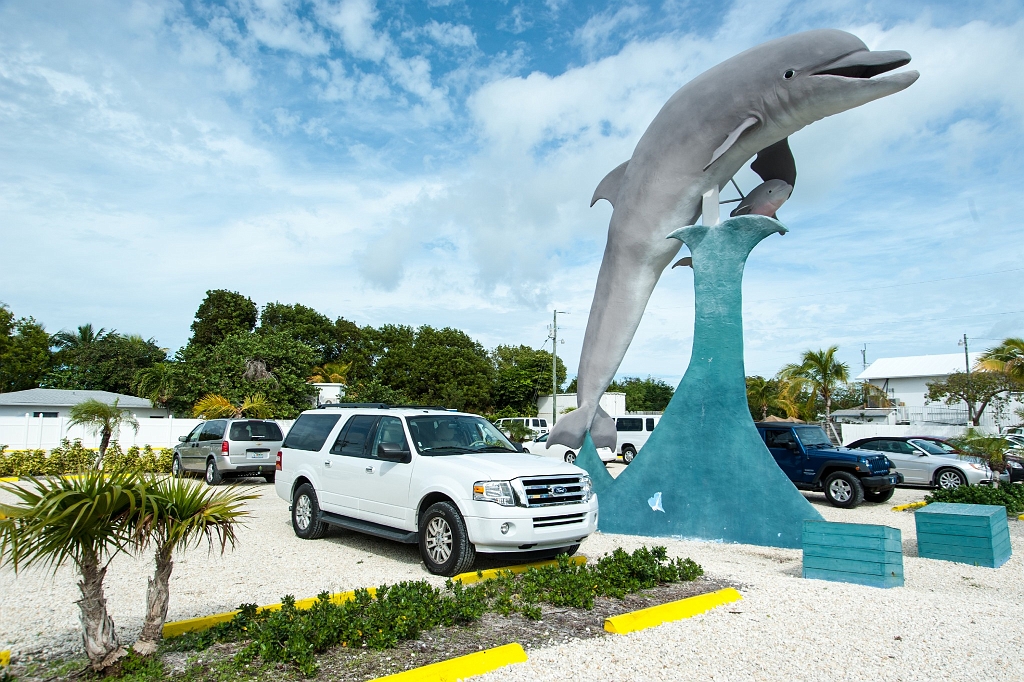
(444, 542)
(843, 489)
(306, 514)
(213, 476)
(879, 496)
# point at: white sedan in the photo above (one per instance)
(538, 447)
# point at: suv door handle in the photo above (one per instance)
(327, 462)
(369, 469)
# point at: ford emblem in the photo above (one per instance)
(558, 490)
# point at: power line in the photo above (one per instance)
(899, 321)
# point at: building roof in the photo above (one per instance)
(916, 366)
(56, 397)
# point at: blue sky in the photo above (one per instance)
(432, 163)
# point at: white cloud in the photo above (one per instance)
(450, 35)
(594, 35)
(353, 20)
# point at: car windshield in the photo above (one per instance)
(456, 435)
(813, 437)
(932, 448)
(541, 439)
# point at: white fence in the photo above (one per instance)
(45, 433)
(852, 432)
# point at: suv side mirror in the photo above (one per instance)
(791, 446)
(392, 452)
(182, 439)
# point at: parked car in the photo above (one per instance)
(537, 426)
(539, 446)
(810, 460)
(228, 448)
(1014, 462)
(926, 463)
(448, 481)
(633, 433)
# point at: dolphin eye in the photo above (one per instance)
(789, 74)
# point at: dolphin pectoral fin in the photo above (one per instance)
(740, 210)
(683, 261)
(602, 431)
(776, 162)
(731, 140)
(608, 188)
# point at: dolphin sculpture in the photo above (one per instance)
(765, 199)
(749, 104)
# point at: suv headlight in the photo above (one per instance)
(499, 492)
(588, 488)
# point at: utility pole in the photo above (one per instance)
(864, 368)
(967, 366)
(554, 366)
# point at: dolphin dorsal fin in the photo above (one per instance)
(730, 140)
(608, 189)
(776, 162)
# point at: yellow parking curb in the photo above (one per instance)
(180, 627)
(480, 576)
(5, 659)
(462, 667)
(912, 505)
(9, 479)
(666, 613)
(1021, 517)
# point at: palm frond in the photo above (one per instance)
(257, 405)
(180, 513)
(213, 406)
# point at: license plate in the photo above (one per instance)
(257, 455)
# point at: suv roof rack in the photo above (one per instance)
(382, 406)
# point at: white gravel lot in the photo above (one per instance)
(950, 621)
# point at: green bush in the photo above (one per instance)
(70, 457)
(1010, 496)
(400, 612)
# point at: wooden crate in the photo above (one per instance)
(975, 534)
(853, 553)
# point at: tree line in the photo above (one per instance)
(819, 384)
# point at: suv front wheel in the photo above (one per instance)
(444, 542)
(843, 489)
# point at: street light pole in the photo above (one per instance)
(967, 366)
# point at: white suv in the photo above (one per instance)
(461, 488)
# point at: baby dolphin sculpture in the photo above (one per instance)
(765, 199)
(749, 104)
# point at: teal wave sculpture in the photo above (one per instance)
(705, 472)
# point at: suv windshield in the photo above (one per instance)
(456, 435)
(813, 437)
(255, 430)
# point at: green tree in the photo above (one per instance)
(157, 382)
(24, 351)
(521, 374)
(179, 514)
(108, 362)
(244, 363)
(303, 324)
(770, 396)
(448, 368)
(1007, 357)
(979, 390)
(82, 519)
(645, 395)
(821, 373)
(106, 420)
(373, 391)
(354, 345)
(221, 314)
(212, 406)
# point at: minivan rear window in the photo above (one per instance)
(310, 431)
(255, 430)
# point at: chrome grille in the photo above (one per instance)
(563, 520)
(546, 491)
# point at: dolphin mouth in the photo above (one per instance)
(864, 65)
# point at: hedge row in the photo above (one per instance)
(1010, 496)
(70, 457)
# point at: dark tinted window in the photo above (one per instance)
(310, 431)
(213, 430)
(650, 424)
(869, 445)
(255, 430)
(777, 438)
(352, 439)
(629, 424)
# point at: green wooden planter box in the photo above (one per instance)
(975, 534)
(853, 553)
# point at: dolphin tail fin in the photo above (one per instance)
(603, 432)
(570, 429)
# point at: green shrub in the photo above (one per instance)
(136, 459)
(71, 457)
(1010, 496)
(401, 612)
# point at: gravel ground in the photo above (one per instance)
(950, 622)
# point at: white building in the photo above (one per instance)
(612, 403)
(905, 380)
(54, 402)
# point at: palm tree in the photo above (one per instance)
(331, 373)
(1007, 357)
(213, 406)
(84, 519)
(764, 395)
(85, 336)
(180, 514)
(821, 372)
(157, 382)
(106, 420)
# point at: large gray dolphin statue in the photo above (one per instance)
(749, 104)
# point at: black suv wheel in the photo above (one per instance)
(444, 542)
(213, 476)
(879, 496)
(628, 453)
(570, 456)
(843, 489)
(306, 514)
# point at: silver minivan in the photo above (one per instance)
(222, 448)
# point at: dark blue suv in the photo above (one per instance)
(812, 462)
